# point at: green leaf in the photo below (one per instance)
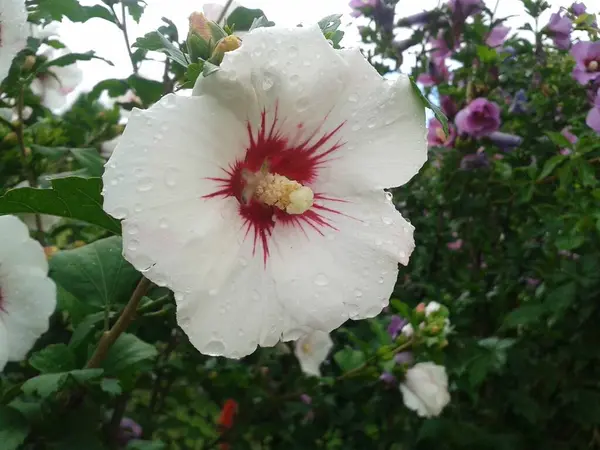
(55, 358)
(57, 9)
(96, 273)
(127, 351)
(209, 69)
(330, 23)
(242, 19)
(524, 315)
(349, 359)
(13, 428)
(89, 159)
(559, 140)
(261, 22)
(561, 298)
(570, 241)
(437, 112)
(149, 91)
(587, 173)
(486, 54)
(72, 197)
(113, 87)
(146, 445)
(135, 8)
(47, 384)
(68, 59)
(550, 165)
(155, 41)
(111, 386)
(85, 327)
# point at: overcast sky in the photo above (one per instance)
(107, 40)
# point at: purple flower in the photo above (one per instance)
(519, 103)
(438, 73)
(505, 141)
(359, 5)
(474, 161)
(587, 59)
(480, 118)
(404, 358)
(497, 36)
(396, 325)
(566, 132)
(436, 137)
(128, 430)
(455, 245)
(441, 49)
(448, 106)
(306, 399)
(465, 8)
(533, 282)
(387, 378)
(593, 117)
(578, 9)
(559, 28)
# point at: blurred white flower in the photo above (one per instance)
(213, 11)
(312, 350)
(108, 147)
(407, 330)
(53, 88)
(13, 32)
(48, 222)
(425, 389)
(259, 201)
(44, 32)
(432, 307)
(27, 295)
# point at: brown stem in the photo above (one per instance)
(123, 27)
(28, 169)
(126, 317)
(356, 370)
(224, 12)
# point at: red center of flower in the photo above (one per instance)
(297, 158)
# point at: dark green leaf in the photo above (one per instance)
(550, 165)
(111, 386)
(57, 9)
(85, 327)
(349, 359)
(89, 159)
(146, 445)
(155, 41)
(149, 91)
(72, 197)
(54, 359)
(68, 59)
(524, 315)
(241, 19)
(559, 140)
(439, 115)
(13, 428)
(96, 273)
(47, 384)
(127, 351)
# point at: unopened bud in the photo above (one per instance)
(78, 244)
(50, 251)
(29, 62)
(10, 138)
(27, 151)
(420, 308)
(228, 44)
(199, 25)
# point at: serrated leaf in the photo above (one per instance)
(13, 428)
(127, 351)
(349, 359)
(55, 358)
(47, 384)
(71, 197)
(135, 8)
(96, 274)
(437, 112)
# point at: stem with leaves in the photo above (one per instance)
(364, 365)
(126, 317)
(27, 168)
(122, 24)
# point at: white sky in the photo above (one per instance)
(104, 38)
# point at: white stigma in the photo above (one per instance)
(283, 193)
(593, 66)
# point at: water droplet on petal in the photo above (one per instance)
(133, 229)
(120, 212)
(356, 127)
(214, 348)
(371, 125)
(294, 79)
(378, 242)
(353, 98)
(243, 262)
(358, 293)
(179, 296)
(213, 292)
(402, 255)
(144, 185)
(171, 176)
(267, 82)
(163, 223)
(381, 280)
(240, 332)
(293, 52)
(133, 245)
(137, 208)
(389, 196)
(387, 220)
(303, 104)
(321, 280)
(306, 63)
(113, 182)
(293, 334)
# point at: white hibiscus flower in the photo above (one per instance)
(54, 88)
(108, 147)
(27, 295)
(213, 11)
(260, 200)
(425, 389)
(13, 32)
(311, 350)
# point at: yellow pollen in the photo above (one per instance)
(306, 348)
(593, 66)
(283, 193)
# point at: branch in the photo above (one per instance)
(126, 317)
(123, 27)
(224, 12)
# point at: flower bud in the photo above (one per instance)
(420, 308)
(199, 25)
(227, 44)
(50, 251)
(29, 62)
(10, 138)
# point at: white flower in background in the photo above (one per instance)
(213, 11)
(53, 89)
(13, 32)
(44, 32)
(27, 295)
(108, 147)
(425, 389)
(432, 307)
(312, 350)
(407, 330)
(259, 201)
(48, 222)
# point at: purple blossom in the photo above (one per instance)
(480, 118)
(448, 106)
(578, 8)
(438, 73)
(440, 47)
(593, 117)
(404, 358)
(396, 325)
(474, 161)
(465, 8)
(519, 103)
(455, 245)
(533, 282)
(306, 399)
(505, 141)
(359, 5)
(436, 137)
(587, 59)
(128, 430)
(559, 28)
(566, 132)
(387, 378)
(497, 36)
